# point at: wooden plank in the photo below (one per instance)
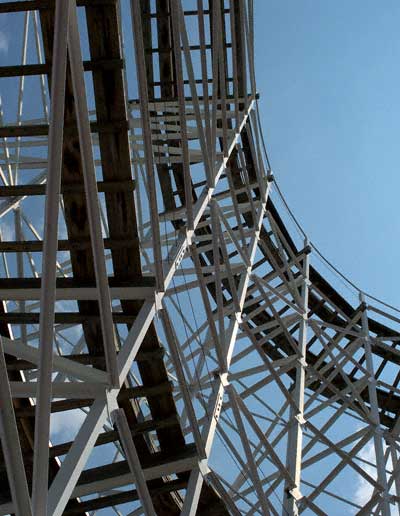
(125, 497)
(33, 5)
(24, 131)
(64, 317)
(65, 283)
(8, 246)
(129, 393)
(108, 437)
(45, 68)
(40, 189)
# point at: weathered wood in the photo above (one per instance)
(40, 189)
(120, 209)
(25, 131)
(33, 5)
(65, 318)
(9, 246)
(108, 437)
(65, 282)
(126, 394)
(121, 468)
(124, 497)
(45, 68)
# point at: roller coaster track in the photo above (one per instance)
(170, 343)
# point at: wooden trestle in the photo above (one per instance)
(112, 129)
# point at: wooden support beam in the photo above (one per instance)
(126, 394)
(72, 289)
(25, 131)
(123, 497)
(64, 318)
(153, 460)
(63, 245)
(88, 359)
(108, 437)
(40, 189)
(33, 5)
(45, 68)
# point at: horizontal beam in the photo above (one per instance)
(86, 359)
(40, 189)
(112, 436)
(70, 390)
(45, 68)
(21, 131)
(76, 399)
(63, 318)
(122, 497)
(83, 293)
(62, 364)
(36, 246)
(121, 422)
(150, 473)
(33, 5)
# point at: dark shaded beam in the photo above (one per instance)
(44, 69)
(21, 131)
(40, 189)
(127, 394)
(64, 318)
(121, 468)
(112, 436)
(189, 99)
(172, 82)
(63, 245)
(33, 5)
(167, 50)
(186, 13)
(88, 359)
(105, 438)
(129, 496)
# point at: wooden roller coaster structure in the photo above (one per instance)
(170, 342)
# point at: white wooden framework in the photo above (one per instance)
(170, 341)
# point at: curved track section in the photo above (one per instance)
(169, 345)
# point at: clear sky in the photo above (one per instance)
(328, 74)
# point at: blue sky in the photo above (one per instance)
(328, 77)
(328, 74)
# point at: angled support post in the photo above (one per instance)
(182, 119)
(148, 153)
(172, 340)
(392, 440)
(11, 445)
(20, 264)
(48, 290)
(120, 421)
(274, 457)
(221, 345)
(395, 472)
(92, 201)
(295, 434)
(214, 481)
(253, 470)
(192, 493)
(216, 399)
(204, 143)
(374, 410)
(75, 460)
